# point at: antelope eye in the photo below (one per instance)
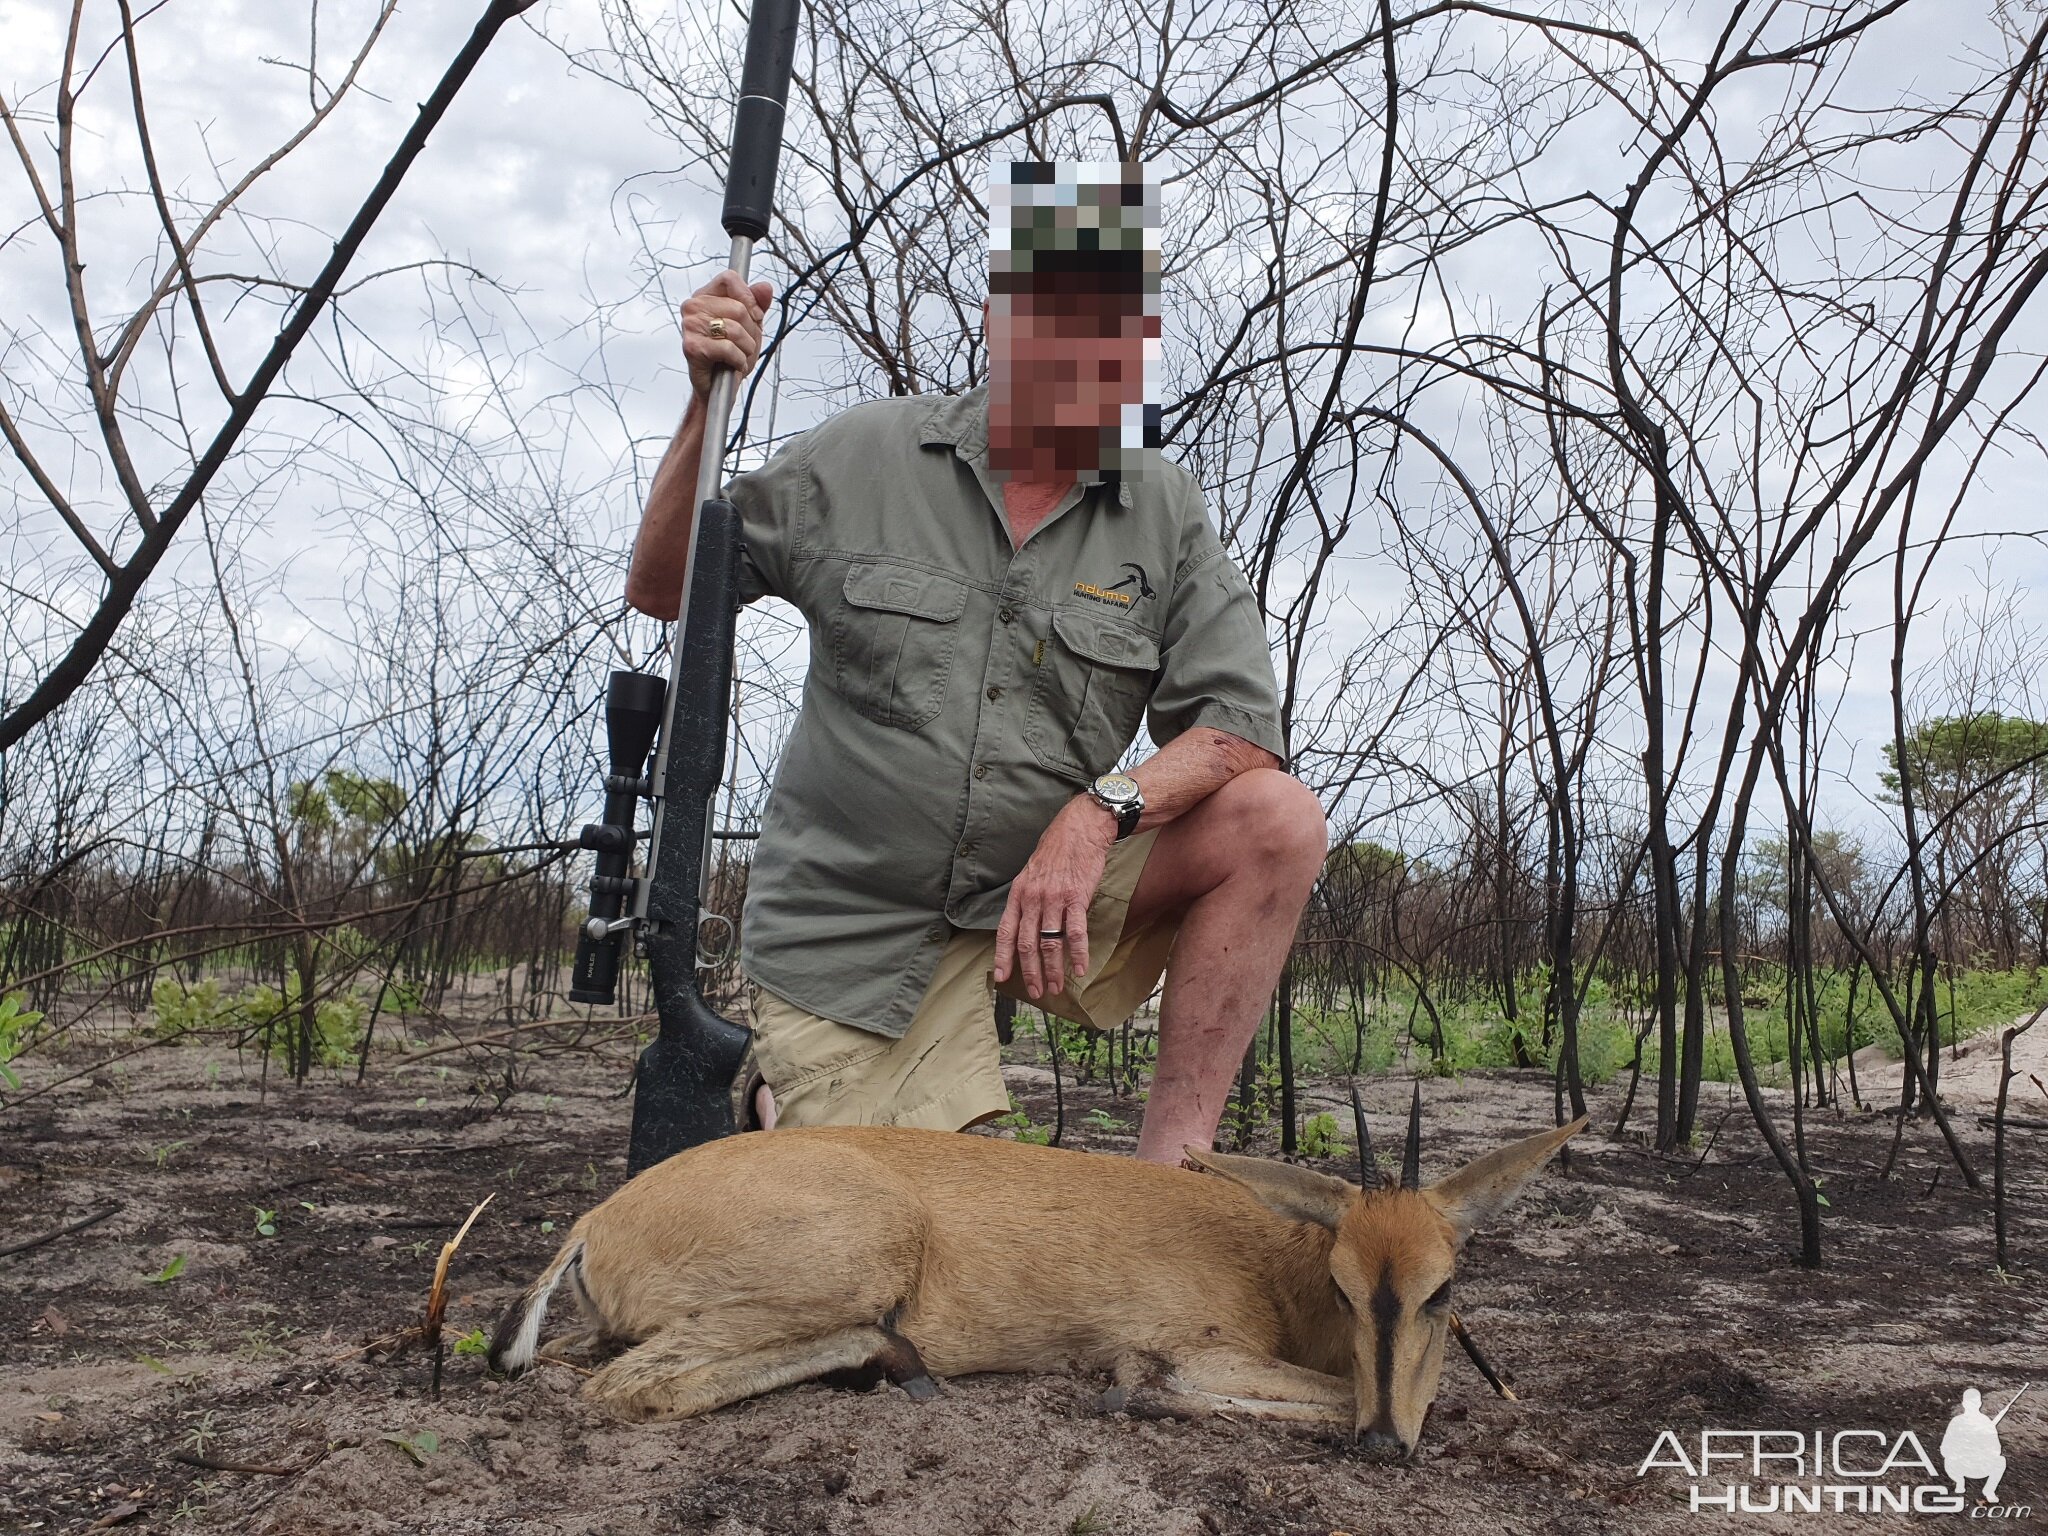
(1439, 1299)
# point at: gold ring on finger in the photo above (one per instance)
(715, 329)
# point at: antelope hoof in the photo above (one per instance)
(902, 1364)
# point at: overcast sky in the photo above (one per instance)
(549, 181)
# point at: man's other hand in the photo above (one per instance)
(1053, 890)
(742, 309)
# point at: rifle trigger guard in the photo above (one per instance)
(710, 959)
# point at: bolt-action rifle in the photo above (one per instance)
(683, 1084)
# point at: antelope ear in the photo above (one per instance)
(1484, 1187)
(1299, 1194)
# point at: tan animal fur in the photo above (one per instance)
(766, 1259)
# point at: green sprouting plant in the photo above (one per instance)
(261, 1342)
(170, 1271)
(1018, 1121)
(473, 1343)
(1103, 1120)
(266, 1221)
(195, 1504)
(1318, 1136)
(15, 1021)
(419, 1447)
(162, 1155)
(1248, 1117)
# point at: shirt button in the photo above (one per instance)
(994, 694)
(966, 849)
(981, 770)
(1007, 615)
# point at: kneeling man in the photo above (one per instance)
(999, 586)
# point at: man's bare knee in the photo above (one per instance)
(1278, 819)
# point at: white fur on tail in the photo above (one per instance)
(519, 1330)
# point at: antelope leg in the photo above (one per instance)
(672, 1378)
(897, 1361)
(1230, 1381)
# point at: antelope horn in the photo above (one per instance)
(1411, 1154)
(1365, 1175)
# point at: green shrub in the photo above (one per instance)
(16, 1020)
(180, 1009)
(1319, 1137)
(338, 1021)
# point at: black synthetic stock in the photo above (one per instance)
(683, 1085)
(757, 123)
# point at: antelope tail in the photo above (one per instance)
(519, 1329)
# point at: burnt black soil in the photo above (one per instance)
(1628, 1293)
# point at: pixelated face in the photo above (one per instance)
(1072, 319)
(1075, 358)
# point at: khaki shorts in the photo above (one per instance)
(945, 1072)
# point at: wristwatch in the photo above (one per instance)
(1118, 794)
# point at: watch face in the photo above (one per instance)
(1118, 787)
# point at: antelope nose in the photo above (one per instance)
(1382, 1446)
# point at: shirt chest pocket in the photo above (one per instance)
(1090, 692)
(893, 637)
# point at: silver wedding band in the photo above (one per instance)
(715, 328)
(1052, 933)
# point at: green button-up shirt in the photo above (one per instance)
(962, 689)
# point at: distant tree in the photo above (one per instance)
(1981, 781)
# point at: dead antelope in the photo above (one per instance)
(761, 1260)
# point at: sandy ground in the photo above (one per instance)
(1969, 1072)
(1628, 1293)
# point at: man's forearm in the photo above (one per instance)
(1186, 771)
(654, 581)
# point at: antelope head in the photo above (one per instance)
(1393, 1248)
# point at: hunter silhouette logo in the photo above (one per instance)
(1120, 593)
(1844, 1471)
(1970, 1448)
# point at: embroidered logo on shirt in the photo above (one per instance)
(1114, 594)
(1138, 575)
